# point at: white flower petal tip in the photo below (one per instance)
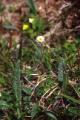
(31, 20)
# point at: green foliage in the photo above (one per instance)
(2, 80)
(46, 58)
(62, 74)
(71, 99)
(17, 87)
(17, 82)
(51, 115)
(61, 71)
(20, 99)
(35, 111)
(28, 91)
(49, 83)
(36, 27)
(74, 111)
(38, 24)
(32, 6)
(27, 105)
(70, 52)
(3, 105)
(44, 86)
(40, 84)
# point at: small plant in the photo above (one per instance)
(39, 76)
(34, 26)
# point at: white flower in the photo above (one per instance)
(0, 94)
(18, 46)
(40, 39)
(31, 20)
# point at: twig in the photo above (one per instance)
(48, 91)
(57, 31)
(51, 92)
(40, 82)
(28, 81)
(45, 96)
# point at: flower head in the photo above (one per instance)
(25, 26)
(31, 20)
(40, 39)
(0, 94)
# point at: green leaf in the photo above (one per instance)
(28, 91)
(3, 105)
(61, 70)
(17, 82)
(74, 110)
(38, 24)
(32, 6)
(71, 99)
(2, 80)
(35, 110)
(9, 26)
(62, 74)
(17, 87)
(47, 59)
(51, 115)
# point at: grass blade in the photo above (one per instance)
(17, 86)
(32, 6)
(71, 98)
